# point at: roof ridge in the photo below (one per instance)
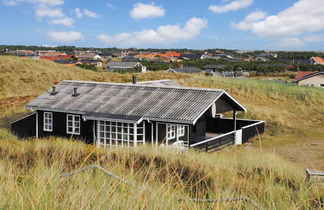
(147, 86)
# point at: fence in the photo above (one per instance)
(250, 131)
(216, 143)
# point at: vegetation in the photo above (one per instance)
(269, 169)
(30, 178)
(88, 67)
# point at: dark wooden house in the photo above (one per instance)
(111, 114)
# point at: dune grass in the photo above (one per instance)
(30, 178)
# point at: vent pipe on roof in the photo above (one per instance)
(134, 79)
(75, 92)
(53, 91)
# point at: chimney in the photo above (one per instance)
(134, 79)
(75, 92)
(53, 91)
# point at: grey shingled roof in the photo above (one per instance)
(160, 83)
(97, 100)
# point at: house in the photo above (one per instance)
(189, 57)
(315, 79)
(264, 59)
(113, 114)
(316, 61)
(97, 63)
(214, 67)
(129, 58)
(185, 70)
(25, 53)
(66, 62)
(126, 66)
(107, 55)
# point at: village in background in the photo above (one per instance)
(303, 68)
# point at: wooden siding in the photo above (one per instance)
(59, 127)
(25, 127)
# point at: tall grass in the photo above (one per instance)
(30, 178)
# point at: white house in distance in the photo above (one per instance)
(315, 79)
(125, 66)
(316, 61)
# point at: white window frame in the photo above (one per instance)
(74, 123)
(180, 130)
(48, 121)
(120, 134)
(170, 131)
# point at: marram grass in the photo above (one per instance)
(30, 178)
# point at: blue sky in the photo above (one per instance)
(232, 24)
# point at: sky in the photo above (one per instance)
(193, 24)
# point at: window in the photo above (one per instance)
(73, 124)
(322, 85)
(119, 134)
(181, 130)
(170, 128)
(48, 121)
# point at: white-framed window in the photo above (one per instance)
(73, 124)
(120, 134)
(180, 130)
(170, 131)
(48, 121)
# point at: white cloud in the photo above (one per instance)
(314, 38)
(45, 11)
(231, 6)
(250, 19)
(141, 11)
(47, 2)
(78, 13)
(65, 36)
(90, 13)
(302, 17)
(86, 12)
(110, 5)
(66, 21)
(54, 15)
(163, 35)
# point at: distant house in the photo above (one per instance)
(107, 55)
(25, 53)
(214, 67)
(129, 58)
(97, 63)
(189, 57)
(316, 61)
(129, 115)
(86, 56)
(66, 62)
(51, 58)
(126, 66)
(315, 79)
(264, 59)
(185, 70)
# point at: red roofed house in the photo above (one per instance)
(50, 58)
(316, 60)
(315, 79)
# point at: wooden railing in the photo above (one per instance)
(252, 130)
(215, 143)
